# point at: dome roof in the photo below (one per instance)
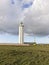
(21, 24)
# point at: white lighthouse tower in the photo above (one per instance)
(21, 33)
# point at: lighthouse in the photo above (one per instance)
(21, 33)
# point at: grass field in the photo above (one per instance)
(24, 55)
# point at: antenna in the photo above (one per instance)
(34, 38)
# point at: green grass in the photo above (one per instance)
(24, 55)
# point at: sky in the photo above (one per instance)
(33, 13)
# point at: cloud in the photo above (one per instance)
(37, 18)
(33, 13)
(10, 15)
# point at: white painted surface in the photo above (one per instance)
(21, 33)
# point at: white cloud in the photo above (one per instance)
(35, 17)
(10, 16)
